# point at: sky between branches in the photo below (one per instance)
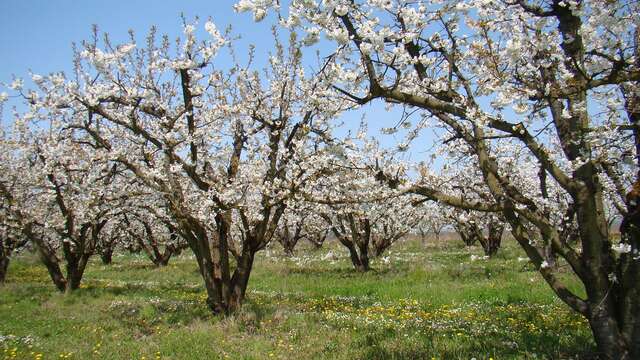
(37, 36)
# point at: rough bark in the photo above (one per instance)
(75, 275)
(4, 266)
(360, 261)
(466, 235)
(106, 255)
(491, 242)
(51, 262)
(225, 291)
(240, 280)
(147, 240)
(356, 239)
(318, 239)
(289, 240)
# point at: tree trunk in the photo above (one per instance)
(220, 257)
(158, 258)
(360, 261)
(215, 301)
(4, 265)
(75, 270)
(213, 261)
(635, 336)
(491, 243)
(5, 252)
(240, 280)
(357, 243)
(198, 239)
(318, 239)
(287, 240)
(107, 256)
(164, 259)
(73, 282)
(288, 252)
(613, 302)
(50, 261)
(609, 340)
(355, 258)
(54, 271)
(288, 244)
(628, 287)
(364, 263)
(423, 237)
(364, 256)
(466, 236)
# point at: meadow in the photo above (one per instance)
(440, 301)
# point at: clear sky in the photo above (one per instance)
(36, 35)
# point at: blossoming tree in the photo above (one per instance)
(555, 81)
(224, 149)
(58, 196)
(301, 221)
(11, 238)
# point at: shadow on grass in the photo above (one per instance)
(140, 290)
(343, 272)
(383, 343)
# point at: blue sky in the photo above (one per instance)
(37, 35)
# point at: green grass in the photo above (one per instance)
(425, 303)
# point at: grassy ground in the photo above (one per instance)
(423, 303)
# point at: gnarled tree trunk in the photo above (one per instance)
(491, 242)
(106, 255)
(318, 239)
(355, 235)
(51, 262)
(289, 240)
(240, 279)
(4, 266)
(466, 234)
(75, 271)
